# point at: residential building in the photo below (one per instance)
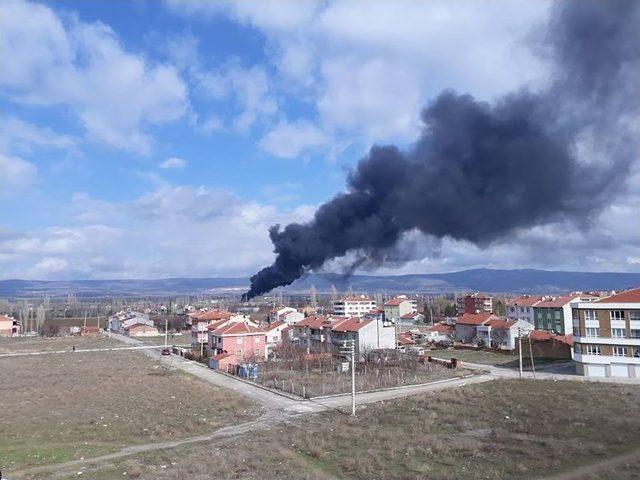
(9, 326)
(245, 341)
(353, 306)
(325, 333)
(123, 319)
(521, 308)
(554, 313)
(141, 330)
(225, 362)
(504, 334)
(412, 318)
(467, 326)
(367, 333)
(549, 345)
(405, 339)
(287, 314)
(440, 332)
(273, 332)
(396, 308)
(606, 335)
(474, 303)
(203, 320)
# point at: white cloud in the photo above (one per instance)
(370, 67)
(16, 175)
(18, 135)
(289, 140)
(83, 66)
(174, 162)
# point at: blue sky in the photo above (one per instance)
(155, 139)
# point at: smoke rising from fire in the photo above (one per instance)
(479, 171)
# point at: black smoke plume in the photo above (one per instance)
(479, 170)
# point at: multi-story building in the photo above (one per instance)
(244, 341)
(474, 303)
(521, 308)
(353, 306)
(399, 306)
(553, 314)
(287, 314)
(606, 335)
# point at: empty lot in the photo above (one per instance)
(498, 430)
(61, 407)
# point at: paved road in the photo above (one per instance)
(548, 373)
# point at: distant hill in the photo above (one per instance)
(486, 280)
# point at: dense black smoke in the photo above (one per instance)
(479, 170)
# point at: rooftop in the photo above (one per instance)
(628, 296)
(476, 318)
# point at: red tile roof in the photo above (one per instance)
(500, 324)
(476, 318)
(350, 324)
(556, 302)
(524, 301)
(411, 315)
(237, 328)
(394, 302)
(441, 328)
(405, 339)
(215, 315)
(629, 296)
(274, 325)
(216, 325)
(542, 336)
(312, 322)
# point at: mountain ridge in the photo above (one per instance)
(486, 280)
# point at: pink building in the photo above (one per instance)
(246, 342)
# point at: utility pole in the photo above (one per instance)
(166, 329)
(533, 365)
(348, 349)
(520, 350)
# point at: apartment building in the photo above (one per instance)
(553, 314)
(241, 339)
(521, 308)
(474, 303)
(399, 306)
(353, 306)
(9, 326)
(606, 335)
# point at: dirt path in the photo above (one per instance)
(598, 467)
(264, 421)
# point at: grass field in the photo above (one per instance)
(487, 358)
(36, 344)
(60, 407)
(505, 429)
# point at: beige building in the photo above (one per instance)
(9, 326)
(606, 335)
(399, 306)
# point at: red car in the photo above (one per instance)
(166, 351)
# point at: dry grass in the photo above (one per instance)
(60, 407)
(36, 344)
(500, 430)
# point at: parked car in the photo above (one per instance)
(416, 350)
(166, 351)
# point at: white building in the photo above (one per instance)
(521, 308)
(274, 334)
(399, 306)
(122, 320)
(354, 306)
(368, 334)
(606, 336)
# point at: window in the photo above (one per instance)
(557, 314)
(619, 351)
(576, 347)
(590, 315)
(256, 339)
(617, 314)
(593, 332)
(636, 352)
(618, 333)
(239, 341)
(594, 350)
(635, 333)
(238, 353)
(256, 351)
(576, 331)
(634, 315)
